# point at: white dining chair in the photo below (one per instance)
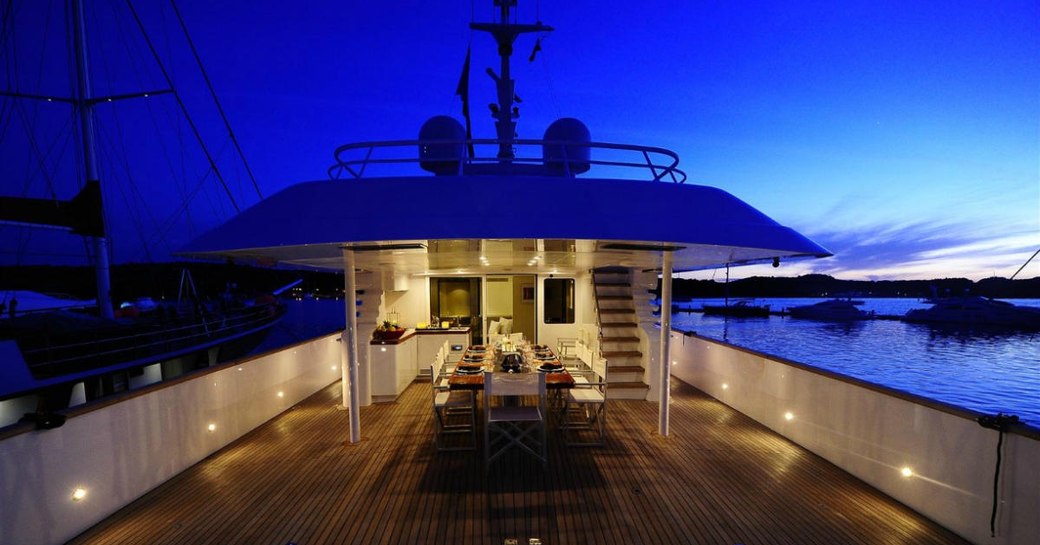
(508, 423)
(454, 412)
(585, 407)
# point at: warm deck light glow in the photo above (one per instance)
(789, 415)
(211, 427)
(725, 386)
(382, 349)
(79, 493)
(281, 394)
(239, 368)
(334, 367)
(907, 472)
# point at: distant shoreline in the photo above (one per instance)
(163, 279)
(819, 285)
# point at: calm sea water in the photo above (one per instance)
(984, 370)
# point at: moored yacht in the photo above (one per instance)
(51, 359)
(832, 310)
(971, 310)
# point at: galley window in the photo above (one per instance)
(559, 300)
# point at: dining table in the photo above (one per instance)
(469, 371)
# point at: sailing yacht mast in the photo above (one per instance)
(85, 108)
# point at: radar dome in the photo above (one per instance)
(441, 145)
(568, 152)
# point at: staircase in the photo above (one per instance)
(618, 333)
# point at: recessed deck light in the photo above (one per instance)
(79, 493)
(725, 386)
(789, 415)
(281, 394)
(906, 472)
(212, 427)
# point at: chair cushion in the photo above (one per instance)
(585, 395)
(451, 399)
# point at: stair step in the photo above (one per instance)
(619, 339)
(622, 354)
(615, 297)
(625, 368)
(617, 311)
(637, 392)
(618, 324)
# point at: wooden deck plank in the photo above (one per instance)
(720, 478)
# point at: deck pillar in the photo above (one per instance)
(666, 337)
(350, 370)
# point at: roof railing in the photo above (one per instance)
(565, 158)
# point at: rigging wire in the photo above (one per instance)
(184, 109)
(130, 189)
(1024, 264)
(213, 93)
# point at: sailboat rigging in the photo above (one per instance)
(46, 355)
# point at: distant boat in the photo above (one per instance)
(741, 309)
(975, 310)
(833, 310)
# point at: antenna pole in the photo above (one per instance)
(505, 34)
(85, 108)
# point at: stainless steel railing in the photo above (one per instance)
(655, 164)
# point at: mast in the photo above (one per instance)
(85, 108)
(504, 112)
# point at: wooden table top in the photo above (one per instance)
(475, 381)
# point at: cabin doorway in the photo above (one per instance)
(511, 305)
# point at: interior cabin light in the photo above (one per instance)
(382, 349)
(79, 493)
(789, 415)
(906, 471)
(212, 427)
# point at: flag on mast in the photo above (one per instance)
(462, 90)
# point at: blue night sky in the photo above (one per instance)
(903, 136)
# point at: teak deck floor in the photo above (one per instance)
(719, 479)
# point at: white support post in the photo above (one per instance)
(666, 337)
(350, 370)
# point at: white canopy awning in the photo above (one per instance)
(417, 224)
